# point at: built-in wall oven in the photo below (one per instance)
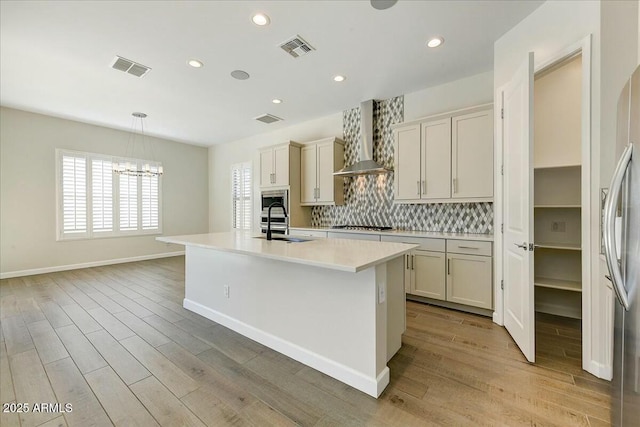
(279, 220)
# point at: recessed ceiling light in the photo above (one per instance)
(239, 74)
(435, 42)
(195, 63)
(276, 101)
(260, 19)
(339, 78)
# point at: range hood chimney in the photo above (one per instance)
(365, 165)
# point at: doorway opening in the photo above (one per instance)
(557, 213)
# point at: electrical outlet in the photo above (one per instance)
(226, 291)
(558, 226)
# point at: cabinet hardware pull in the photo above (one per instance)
(424, 186)
(418, 182)
(449, 267)
(407, 258)
(412, 260)
(455, 185)
(468, 247)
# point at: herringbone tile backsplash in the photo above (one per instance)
(369, 198)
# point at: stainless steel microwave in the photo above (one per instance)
(279, 221)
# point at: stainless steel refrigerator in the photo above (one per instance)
(621, 232)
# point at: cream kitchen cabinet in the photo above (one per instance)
(424, 273)
(445, 158)
(278, 164)
(319, 160)
(469, 273)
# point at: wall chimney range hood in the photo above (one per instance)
(365, 165)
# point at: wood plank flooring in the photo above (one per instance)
(116, 344)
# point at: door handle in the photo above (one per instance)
(610, 223)
(522, 246)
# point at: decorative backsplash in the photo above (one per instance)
(369, 198)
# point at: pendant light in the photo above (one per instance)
(130, 165)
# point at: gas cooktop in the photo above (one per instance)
(362, 227)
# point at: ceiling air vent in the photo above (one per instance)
(130, 67)
(296, 46)
(268, 118)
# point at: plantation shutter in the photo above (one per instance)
(150, 202)
(241, 195)
(74, 194)
(128, 202)
(102, 195)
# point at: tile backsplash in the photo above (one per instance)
(369, 198)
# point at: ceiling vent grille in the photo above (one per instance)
(129, 67)
(296, 46)
(268, 118)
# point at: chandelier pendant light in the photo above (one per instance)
(130, 166)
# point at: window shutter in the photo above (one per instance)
(241, 195)
(74, 194)
(150, 202)
(101, 195)
(128, 202)
(246, 197)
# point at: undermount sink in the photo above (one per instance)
(288, 239)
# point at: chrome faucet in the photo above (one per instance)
(274, 204)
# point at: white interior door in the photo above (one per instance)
(519, 317)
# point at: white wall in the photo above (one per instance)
(473, 90)
(547, 31)
(28, 199)
(222, 156)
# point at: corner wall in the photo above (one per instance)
(28, 193)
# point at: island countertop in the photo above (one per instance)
(336, 254)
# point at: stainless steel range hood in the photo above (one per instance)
(365, 165)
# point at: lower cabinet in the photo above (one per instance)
(429, 275)
(469, 280)
(457, 271)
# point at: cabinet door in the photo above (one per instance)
(469, 280)
(436, 159)
(266, 168)
(407, 163)
(281, 165)
(325, 177)
(308, 174)
(472, 155)
(429, 274)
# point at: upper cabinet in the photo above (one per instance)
(448, 157)
(277, 164)
(319, 160)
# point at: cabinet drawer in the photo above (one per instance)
(309, 233)
(426, 244)
(470, 247)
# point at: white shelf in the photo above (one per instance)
(556, 167)
(563, 246)
(566, 285)
(558, 206)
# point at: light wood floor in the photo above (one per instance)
(116, 343)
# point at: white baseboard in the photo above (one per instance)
(373, 386)
(600, 370)
(44, 270)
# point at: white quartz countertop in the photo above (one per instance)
(409, 233)
(336, 254)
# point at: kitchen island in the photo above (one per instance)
(335, 305)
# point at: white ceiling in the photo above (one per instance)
(55, 58)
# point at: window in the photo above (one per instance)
(95, 202)
(241, 195)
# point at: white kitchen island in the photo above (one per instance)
(335, 305)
